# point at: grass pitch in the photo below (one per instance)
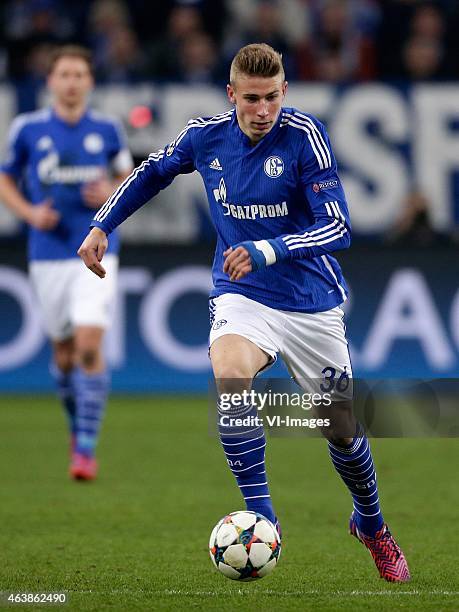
(137, 538)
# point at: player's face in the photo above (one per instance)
(258, 101)
(70, 81)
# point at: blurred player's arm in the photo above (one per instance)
(41, 216)
(154, 174)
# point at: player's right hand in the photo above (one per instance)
(43, 216)
(93, 249)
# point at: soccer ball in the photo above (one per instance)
(245, 546)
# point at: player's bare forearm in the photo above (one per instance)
(12, 198)
(93, 249)
(41, 216)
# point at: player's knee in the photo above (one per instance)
(88, 358)
(64, 362)
(338, 433)
(64, 357)
(232, 379)
(232, 371)
(339, 422)
(337, 440)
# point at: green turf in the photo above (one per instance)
(137, 538)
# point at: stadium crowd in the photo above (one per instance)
(193, 40)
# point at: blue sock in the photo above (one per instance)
(91, 398)
(354, 464)
(244, 448)
(66, 393)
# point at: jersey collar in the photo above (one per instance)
(67, 124)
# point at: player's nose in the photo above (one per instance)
(263, 109)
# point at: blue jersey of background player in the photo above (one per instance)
(62, 163)
(57, 163)
(279, 211)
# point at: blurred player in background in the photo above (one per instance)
(63, 163)
(280, 211)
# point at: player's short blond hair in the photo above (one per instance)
(257, 60)
(70, 51)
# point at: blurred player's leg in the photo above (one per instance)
(62, 371)
(92, 383)
(235, 362)
(91, 301)
(51, 281)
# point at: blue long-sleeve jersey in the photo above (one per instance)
(286, 188)
(52, 160)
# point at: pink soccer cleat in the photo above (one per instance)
(83, 467)
(386, 553)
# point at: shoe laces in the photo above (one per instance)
(389, 544)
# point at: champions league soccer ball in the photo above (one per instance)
(244, 546)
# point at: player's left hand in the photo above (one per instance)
(238, 263)
(97, 192)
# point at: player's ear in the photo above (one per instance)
(230, 93)
(284, 89)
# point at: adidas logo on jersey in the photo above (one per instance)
(215, 165)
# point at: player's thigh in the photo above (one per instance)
(235, 357)
(93, 298)
(51, 282)
(315, 348)
(240, 340)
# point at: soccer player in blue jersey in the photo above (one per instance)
(63, 163)
(280, 212)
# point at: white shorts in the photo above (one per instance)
(313, 346)
(71, 296)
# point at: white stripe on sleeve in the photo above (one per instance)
(267, 250)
